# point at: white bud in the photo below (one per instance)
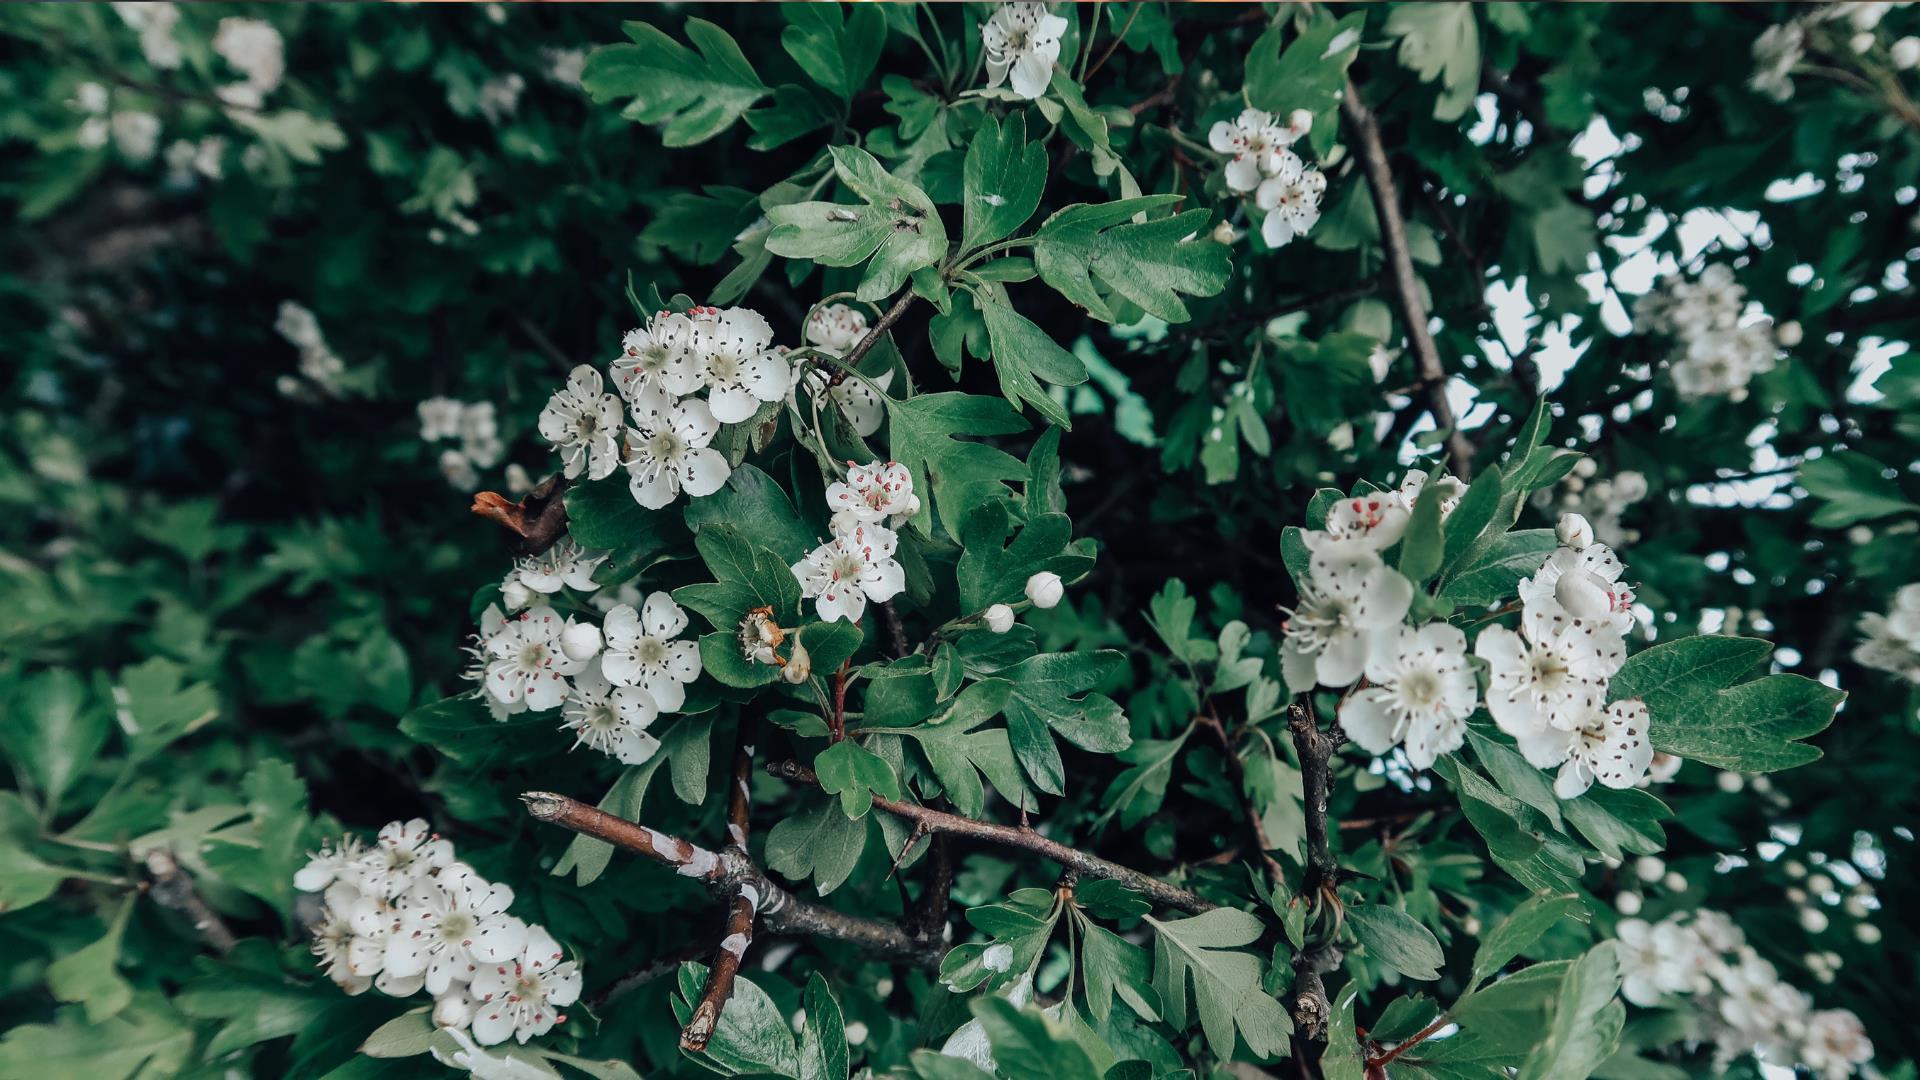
(1471, 924)
(1300, 121)
(1860, 534)
(1906, 53)
(1796, 896)
(1789, 334)
(1813, 920)
(800, 666)
(1730, 782)
(580, 640)
(1628, 903)
(1341, 437)
(999, 618)
(518, 482)
(856, 1033)
(800, 1022)
(1794, 868)
(1868, 933)
(1045, 589)
(454, 1010)
(515, 595)
(1861, 42)
(1820, 884)
(883, 988)
(1675, 881)
(1649, 868)
(1761, 784)
(1585, 595)
(1856, 906)
(1573, 531)
(1585, 467)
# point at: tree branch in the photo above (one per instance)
(172, 889)
(741, 909)
(1026, 839)
(865, 345)
(1311, 1008)
(1393, 238)
(728, 872)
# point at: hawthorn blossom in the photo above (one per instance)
(873, 493)
(998, 618)
(1422, 692)
(584, 424)
(1045, 589)
(1612, 746)
(1716, 352)
(1450, 488)
(1375, 521)
(1022, 41)
(1546, 680)
(334, 862)
(522, 997)
(1836, 1044)
(1886, 648)
(733, 357)
(612, 719)
(1655, 959)
(439, 418)
(154, 22)
(640, 651)
(1256, 138)
(1291, 198)
(403, 853)
(491, 623)
(451, 923)
(526, 661)
(564, 565)
(658, 356)
(1775, 53)
(1349, 593)
(856, 566)
(1582, 583)
(670, 454)
(253, 47)
(499, 97)
(836, 329)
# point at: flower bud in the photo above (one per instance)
(580, 640)
(1861, 42)
(999, 618)
(1649, 868)
(1868, 933)
(1584, 595)
(1675, 881)
(1573, 531)
(1813, 920)
(799, 666)
(1223, 233)
(1856, 906)
(1820, 884)
(453, 1010)
(1730, 782)
(1300, 121)
(1788, 333)
(1585, 468)
(1906, 53)
(515, 595)
(1628, 903)
(1045, 589)
(1341, 437)
(1794, 868)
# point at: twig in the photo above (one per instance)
(865, 345)
(172, 889)
(728, 872)
(1237, 779)
(933, 903)
(896, 633)
(741, 909)
(540, 519)
(1418, 1037)
(1023, 838)
(1311, 1009)
(542, 342)
(838, 721)
(1393, 238)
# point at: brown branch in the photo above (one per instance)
(896, 633)
(540, 519)
(1021, 837)
(1393, 238)
(1416, 1039)
(741, 909)
(865, 345)
(1311, 1008)
(728, 872)
(172, 889)
(933, 903)
(838, 721)
(1237, 779)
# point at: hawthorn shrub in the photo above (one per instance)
(1082, 542)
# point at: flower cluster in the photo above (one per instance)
(1893, 639)
(134, 133)
(253, 48)
(610, 681)
(154, 22)
(857, 564)
(1720, 344)
(1744, 1007)
(319, 364)
(1603, 501)
(1827, 28)
(1022, 41)
(1547, 684)
(404, 915)
(1286, 188)
(474, 424)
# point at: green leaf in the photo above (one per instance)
(50, 732)
(602, 514)
(1698, 713)
(838, 55)
(1587, 1019)
(856, 774)
(1311, 74)
(1619, 822)
(896, 226)
(1423, 548)
(1855, 488)
(1027, 1045)
(147, 1038)
(1467, 526)
(301, 136)
(1140, 789)
(822, 844)
(697, 96)
(408, 1035)
(1440, 41)
(89, 974)
(1024, 355)
(261, 856)
(586, 857)
(1043, 703)
(991, 574)
(751, 496)
(959, 754)
(1150, 263)
(25, 879)
(699, 228)
(1520, 929)
(156, 709)
(823, 1045)
(1519, 838)
(924, 435)
(1171, 613)
(746, 576)
(1112, 966)
(752, 1037)
(1494, 577)
(1002, 181)
(1397, 940)
(1204, 948)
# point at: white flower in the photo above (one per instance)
(1045, 589)
(584, 425)
(333, 862)
(799, 666)
(514, 592)
(298, 326)
(836, 328)
(439, 418)
(872, 493)
(1291, 198)
(856, 566)
(1375, 521)
(527, 663)
(136, 134)
(999, 618)
(1583, 584)
(611, 719)
(1775, 52)
(254, 49)
(1422, 693)
(1022, 40)
(670, 454)
(1573, 531)
(491, 623)
(155, 23)
(1611, 746)
(1347, 596)
(1886, 650)
(658, 357)
(1905, 54)
(454, 1009)
(564, 565)
(480, 1065)
(1547, 680)
(404, 852)
(1255, 138)
(449, 924)
(733, 356)
(565, 66)
(522, 998)
(499, 97)
(641, 651)
(1655, 959)
(1450, 488)
(1836, 1042)
(335, 944)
